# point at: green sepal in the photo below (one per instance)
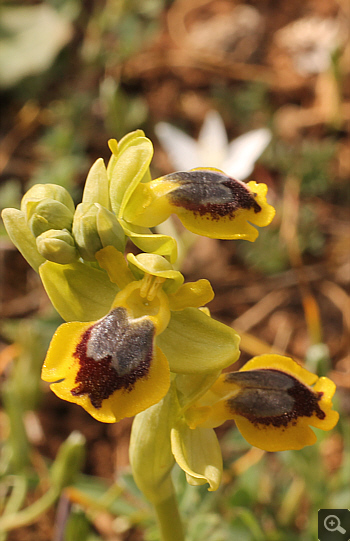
(78, 291)
(155, 265)
(96, 189)
(198, 453)
(150, 452)
(129, 167)
(22, 237)
(194, 342)
(150, 242)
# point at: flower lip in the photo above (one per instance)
(113, 354)
(273, 397)
(211, 192)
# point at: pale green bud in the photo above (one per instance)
(85, 231)
(69, 460)
(94, 228)
(57, 245)
(48, 214)
(38, 192)
(109, 229)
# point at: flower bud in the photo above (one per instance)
(109, 229)
(85, 231)
(38, 192)
(48, 214)
(94, 228)
(57, 245)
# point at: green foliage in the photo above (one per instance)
(242, 105)
(310, 161)
(269, 242)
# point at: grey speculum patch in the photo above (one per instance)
(113, 354)
(273, 397)
(125, 343)
(209, 192)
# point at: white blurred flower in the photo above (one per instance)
(311, 41)
(212, 149)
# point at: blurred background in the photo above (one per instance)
(74, 74)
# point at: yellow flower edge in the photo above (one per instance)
(61, 369)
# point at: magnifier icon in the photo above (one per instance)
(332, 524)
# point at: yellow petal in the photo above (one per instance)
(279, 362)
(58, 361)
(191, 294)
(270, 438)
(113, 261)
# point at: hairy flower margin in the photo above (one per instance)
(137, 340)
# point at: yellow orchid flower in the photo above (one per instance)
(207, 201)
(274, 402)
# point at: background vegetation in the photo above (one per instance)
(72, 75)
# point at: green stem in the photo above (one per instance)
(29, 514)
(169, 520)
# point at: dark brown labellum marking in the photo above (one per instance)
(272, 397)
(212, 193)
(113, 354)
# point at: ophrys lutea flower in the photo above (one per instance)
(273, 400)
(207, 201)
(115, 367)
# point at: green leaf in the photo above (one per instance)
(194, 342)
(77, 291)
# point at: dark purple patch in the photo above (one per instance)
(208, 192)
(121, 356)
(272, 397)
